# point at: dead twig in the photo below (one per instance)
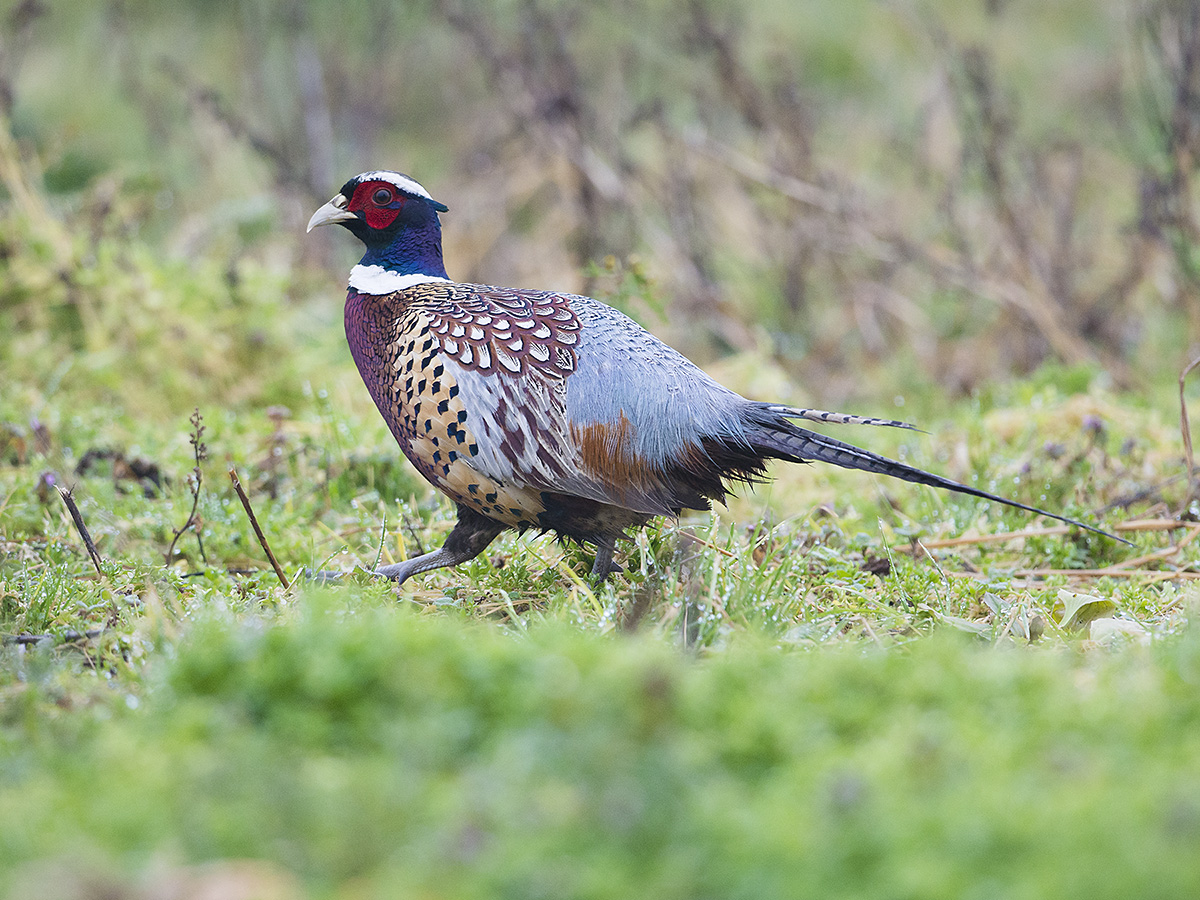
(695, 538)
(412, 532)
(1146, 493)
(77, 518)
(1152, 576)
(262, 538)
(1165, 553)
(1132, 525)
(1130, 568)
(1032, 577)
(1186, 427)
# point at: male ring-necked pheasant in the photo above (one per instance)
(537, 409)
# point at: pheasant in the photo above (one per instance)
(546, 410)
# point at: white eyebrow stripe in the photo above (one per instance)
(378, 280)
(401, 181)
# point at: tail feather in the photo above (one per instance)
(833, 418)
(787, 441)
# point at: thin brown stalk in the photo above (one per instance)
(77, 518)
(412, 530)
(691, 536)
(1159, 554)
(1186, 427)
(194, 522)
(970, 540)
(1151, 575)
(262, 538)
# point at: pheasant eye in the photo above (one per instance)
(382, 197)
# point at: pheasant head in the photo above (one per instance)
(395, 218)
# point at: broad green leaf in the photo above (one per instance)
(1079, 609)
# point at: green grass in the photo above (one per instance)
(353, 742)
(779, 699)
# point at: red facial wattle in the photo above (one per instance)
(378, 201)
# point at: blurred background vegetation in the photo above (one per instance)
(871, 196)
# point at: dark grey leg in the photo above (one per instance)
(604, 566)
(469, 538)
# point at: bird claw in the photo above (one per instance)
(397, 572)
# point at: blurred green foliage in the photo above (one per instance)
(935, 191)
(377, 754)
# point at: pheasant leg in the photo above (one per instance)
(469, 538)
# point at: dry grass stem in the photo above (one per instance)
(77, 518)
(968, 540)
(1159, 554)
(1151, 576)
(262, 538)
(1185, 427)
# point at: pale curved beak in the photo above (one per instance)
(333, 211)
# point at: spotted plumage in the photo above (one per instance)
(537, 409)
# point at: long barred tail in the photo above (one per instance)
(786, 441)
